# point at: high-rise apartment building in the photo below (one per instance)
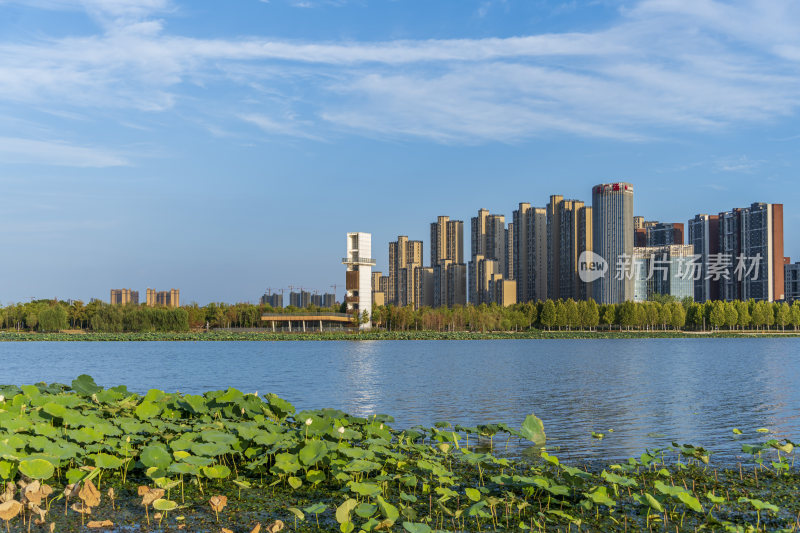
(300, 299)
(323, 300)
(124, 297)
(791, 276)
(664, 234)
(509, 262)
(170, 298)
(358, 278)
(530, 252)
(447, 253)
(405, 257)
(489, 242)
(447, 240)
(612, 226)
(663, 270)
(703, 235)
(274, 300)
(750, 254)
(569, 234)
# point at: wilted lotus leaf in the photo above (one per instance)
(95, 524)
(256, 529)
(276, 526)
(218, 503)
(10, 509)
(157, 516)
(89, 494)
(111, 493)
(52, 527)
(81, 508)
(151, 496)
(46, 490)
(143, 490)
(226, 530)
(71, 490)
(8, 495)
(35, 509)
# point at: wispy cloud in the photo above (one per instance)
(665, 66)
(30, 151)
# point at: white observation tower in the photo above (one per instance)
(359, 276)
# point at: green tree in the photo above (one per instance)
(731, 315)
(548, 314)
(53, 318)
(743, 314)
(592, 314)
(610, 315)
(783, 315)
(677, 316)
(717, 316)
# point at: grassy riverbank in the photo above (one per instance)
(383, 335)
(231, 460)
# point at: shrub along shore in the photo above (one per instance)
(382, 335)
(226, 460)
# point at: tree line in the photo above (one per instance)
(662, 314)
(58, 315)
(566, 315)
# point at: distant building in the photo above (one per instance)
(502, 291)
(569, 234)
(530, 253)
(755, 235)
(664, 234)
(405, 257)
(663, 270)
(273, 300)
(124, 297)
(791, 275)
(447, 261)
(323, 300)
(358, 278)
(300, 299)
(489, 241)
(703, 235)
(170, 298)
(612, 225)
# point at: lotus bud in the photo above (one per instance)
(341, 430)
(2, 398)
(381, 426)
(308, 421)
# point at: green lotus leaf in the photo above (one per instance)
(37, 468)
(216, 472)
(109, 462)
(156, 456)
(533, 430)
(313, 452)
(147, 410)
(164, 505)
(85, 385)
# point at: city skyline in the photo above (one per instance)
(149, 141)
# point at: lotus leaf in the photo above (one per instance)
(85, 385)
(37, 468)
(216, 472)
(164, 505)
(156, 456)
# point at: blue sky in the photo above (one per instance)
(226, 147)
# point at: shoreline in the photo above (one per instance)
(222, 336)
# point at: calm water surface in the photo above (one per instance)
(650, 391)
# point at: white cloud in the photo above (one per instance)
(664, 66)
(58, 153)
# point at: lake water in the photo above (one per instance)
(649, 391)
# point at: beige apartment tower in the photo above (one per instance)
(530, 253)
(170, 298)
(124, 297)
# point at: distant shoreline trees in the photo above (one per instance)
(564, 315)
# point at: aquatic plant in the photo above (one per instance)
(351, 473)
